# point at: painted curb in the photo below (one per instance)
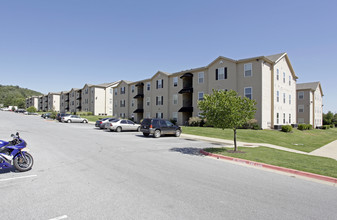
(283, 169)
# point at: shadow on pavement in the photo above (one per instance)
(8, 170)
(188, 150)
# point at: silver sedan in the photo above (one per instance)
(74, 118)
(123, 125)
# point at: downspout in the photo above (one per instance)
(272, 96)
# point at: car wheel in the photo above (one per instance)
(156, 134)
(69, 121)
(118, 129)
(138, 129)
(178, 132)
(85, 121)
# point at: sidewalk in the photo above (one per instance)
(329, 150)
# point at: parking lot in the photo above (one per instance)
(81, 172)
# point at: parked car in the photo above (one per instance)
(46, 115)
(60, 115)
(105, 123)
(158, 127)
(74, 119)
(123, 125)
(101, 121)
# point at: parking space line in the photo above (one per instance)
(60, 217)
(19, 177)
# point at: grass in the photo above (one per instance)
(313, 164)
(305, 141)
(94, 118)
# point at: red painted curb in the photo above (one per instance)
(283, 169)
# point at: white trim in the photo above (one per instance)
(251, 94)
(251, 69)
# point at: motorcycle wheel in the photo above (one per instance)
(21, 165)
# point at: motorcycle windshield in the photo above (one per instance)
(3, 143)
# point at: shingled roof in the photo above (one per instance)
(312, 86)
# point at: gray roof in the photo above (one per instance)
(311, 85)
(275, 57)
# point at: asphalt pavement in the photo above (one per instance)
(81, 172)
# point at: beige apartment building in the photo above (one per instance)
(53, 101)
(270, 80)
(32, 101)
(310, 104)
(98, 99)
(64, 101)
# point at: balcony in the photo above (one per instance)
(139, 110)
(186, 109)
(186, 90)
(138, 96)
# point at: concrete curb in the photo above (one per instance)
(282, 169)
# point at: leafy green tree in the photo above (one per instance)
(327, 118)
(225, 109)
(31, 109)
(334, 120)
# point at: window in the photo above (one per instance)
(284, 98)
(175, 116)
(248, 69)
(122, 103)
(277, 74)
(148, 115)
(301, 108)
(284, 77)
(133, 88)
(200, 96)
(175, 99)
(284, 118)
(301, 95)
(133, 102)
(249, 92)
(300, 120)
(277, 96)
(160, 83)
(159, 115)
(148, 101)
(277, 118)
(122, 90)
(175, 81)
(201, 77)
(221, 73)
(159, 100)
(289, 118)
(148, 86)
(289, 99)
(289, 80)
(116, 90)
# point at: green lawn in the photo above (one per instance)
(94, 118)
(313, 164)
(306, 141)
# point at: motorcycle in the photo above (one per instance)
(15, 152)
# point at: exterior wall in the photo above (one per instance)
(53, 102)
(108, 100)
(72, 100)
(133, 103)
(318, 108)
(64, 102)
(45, 103)
(99, 101)
(284, 109)
(121, 111)
(266, 111)
(147, 95)
(86, 97)
(40, 103)
(158, 93)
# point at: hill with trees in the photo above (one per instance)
(15, 96)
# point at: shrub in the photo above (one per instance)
(309, 127)
(250, 124)
(332, 126)
(325, 127)
(286, 128)
(255, 127)
(53, 114)
(31, 109)
(194, 121)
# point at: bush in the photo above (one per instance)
(31, 109)
(83, 113)
(194, 121)
(255, 127)
(304, 127)
(250, 124)
(325, 127)
(332, 126)
(286, 128)
(53, 115)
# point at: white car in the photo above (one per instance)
(123, 125)
(73, 119)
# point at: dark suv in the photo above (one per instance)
(158, 127)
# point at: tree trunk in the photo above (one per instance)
(235, 147)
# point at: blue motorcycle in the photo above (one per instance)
(15, 152)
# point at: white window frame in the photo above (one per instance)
(251, 92)
(116, 91)
(200, 96)
(221, 73)
(277, 96)
(300, 107)
(284, 77)
(148, 86)
(175, 82)
(284, 98)
(289, 99)
(133, 88)
(289, 80)
(277, 118)
(132, 102)
(148, 114)
(148, 101)
(201, 76)
(277, 74)
(160, 85)
(300, 96)
(248, 67)
(175, 99)
(284, 118)
(175, 115)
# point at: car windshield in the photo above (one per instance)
(116, 120)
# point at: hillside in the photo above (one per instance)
(14, 95)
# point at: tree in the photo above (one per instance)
(327, 118)
(225, 109)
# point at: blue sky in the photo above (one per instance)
(52, 46)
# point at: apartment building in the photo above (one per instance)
(53, 101)
(75, 100)
(270, 80)
(32, 101)
(310, 104)
(98, 99)
(64, 101)
(40, 103)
